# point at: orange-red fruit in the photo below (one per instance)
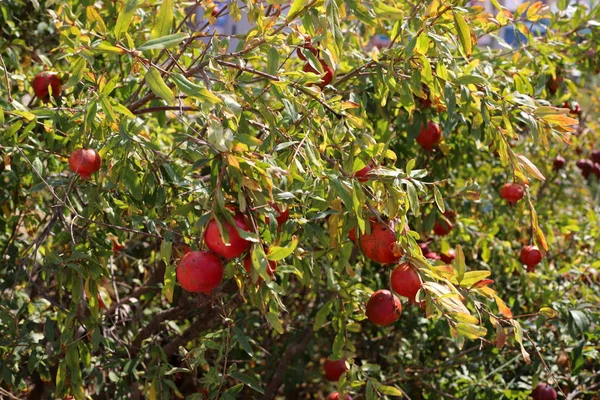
(378, 245)
(335, 369)
(406, 281)
(236, 246)
(200, 272)
(272, 266)
(430, 136)
(308, 47)
(280, 216)
(543, 391)
(85, 162)
(512, 192)
(352, 234)
(327, 77)
(361, 175)
(42, 81)
(442, 228)
(383, 308)
(336, 396)
(530, 256)
(448, 256)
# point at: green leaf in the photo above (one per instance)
(439, 200)
(274, 321)
(243, 341)
(125, 17)
(158, 85)
(459, 264)
(105, 47)
(276, 253)
(413, 198)
(464, 34)
(169, 281)
(164, 42)
(164, 20)
(248, 380)
(194, 90)
(390, 391)
(297, 7)
(548, 312)
(472, 277)
(470, 330)
(321, 317)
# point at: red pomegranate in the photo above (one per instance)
(512, 192)
(281, 214)
(424, 246)
(558, 163)
(442, 227)
(352, 234)
(337, 396)
(595, 156)
(543, 391)
(432, 255)
(430, 136)
(406, 281)
(327, 77)
(530, 256)
(335, 369)
(586, 167)
(236, 246)
(378, 245)
(199, 272)
(553, 83)
(272, 266)
(383, 308)
(448, 256)
(361, 175)
(85, 162)
(42, 81)
(306, 46)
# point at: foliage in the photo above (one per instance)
(188, 122)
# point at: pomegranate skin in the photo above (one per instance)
(383, 308)
(280, 216)
(558, 163)
(41, 82)
(543, 391)
(334, 369)
(352, 234)
(442, 228)
(307, 46)
(449, 256)
(200, 272)
(378, 244)
(530, 256)
(361, 175)
(432, 255)
(327, 77)
(595, 156)
(272, 266)
(85, 162)
(429, 136)
(236, 246)
(586, 167)
(336, 396)
(405, 281)
(511, 192)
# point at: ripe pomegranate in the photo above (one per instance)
(530, 256)
(307, 46)
(442, 227)
(574, 108)
(543, 391)
(379, 244)
(236, 246)
(406, 281)
(352, 234)
(42, 81)
(430, 136)
(553, 83)
(383, 308)
(335, 369)
(558, 163)
(327, 77)
(448, 256)
(272, 266)
(512, 192)
(424, 102)
(432, 255)
(424, 248)
(281, 215)
(586, 167)
(336, 396)
(199, 272)
(595, 156)
(85, 162)
(596, 170)
(215, 12)
(361, 175)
